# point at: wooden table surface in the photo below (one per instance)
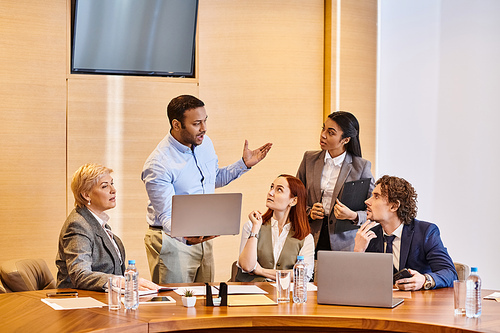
(422, 311)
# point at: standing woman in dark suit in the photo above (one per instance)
(324, 173)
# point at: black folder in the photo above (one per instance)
(353, 196)
(355, 193)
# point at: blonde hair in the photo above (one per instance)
(86, 177)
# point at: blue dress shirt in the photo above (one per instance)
(173, 168)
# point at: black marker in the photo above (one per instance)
(63, 294)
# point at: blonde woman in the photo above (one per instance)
(88, 251)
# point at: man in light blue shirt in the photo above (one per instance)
(185, 162)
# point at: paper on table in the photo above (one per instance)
(73, 303)
(149, 292)
(231, 290)
(245, 300)
(495, 296)
(197, 290)
(396, 293)
(244, 289)
(310, 286)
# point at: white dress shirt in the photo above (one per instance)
(329, 176)
(396, 245)
(278, 239)
(108, 232)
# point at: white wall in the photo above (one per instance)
(437, 118)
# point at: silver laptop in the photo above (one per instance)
(206, 214)
(353, 278)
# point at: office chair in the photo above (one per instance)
(463, 270)
(2, 288)
(234, 271)
(26, 275)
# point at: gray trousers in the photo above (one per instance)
(171, 261)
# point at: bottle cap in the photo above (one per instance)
(473, 269)
(131, 262)
(300, 257)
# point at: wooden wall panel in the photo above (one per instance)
(117, 121)
(261, 77)
(355, 50)
(260, 74)
(32, 128)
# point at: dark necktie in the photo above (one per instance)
(389, 240)
(388, 247)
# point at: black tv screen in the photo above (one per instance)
(134, 37)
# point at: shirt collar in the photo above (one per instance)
(274, 223)
(398, 232)
(102, 222)
(337, 161)
(177, 145)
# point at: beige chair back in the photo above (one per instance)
(463, 270)
(234, 271)
(26, 275)
(2, 288)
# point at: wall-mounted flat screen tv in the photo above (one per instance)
(134, 37)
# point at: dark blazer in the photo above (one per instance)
(86, 256)
(353, 168)
(421, 250)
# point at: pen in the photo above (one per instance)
(63, 294)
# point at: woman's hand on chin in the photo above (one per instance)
(256, 219)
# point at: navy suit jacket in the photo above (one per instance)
(421, 250)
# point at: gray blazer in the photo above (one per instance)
(342, 232)
(86, 256)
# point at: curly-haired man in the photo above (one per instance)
(393, 228)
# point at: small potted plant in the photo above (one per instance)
(188, 300)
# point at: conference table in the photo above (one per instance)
(422, 311)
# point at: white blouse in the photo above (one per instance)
(307, 249)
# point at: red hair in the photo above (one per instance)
(298, 214)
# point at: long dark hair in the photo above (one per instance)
(298, 214)
(350, 126)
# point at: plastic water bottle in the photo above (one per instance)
(473, 295)
(299, 281)
(131, 286)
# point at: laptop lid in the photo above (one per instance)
(206, 214)
(353, 278)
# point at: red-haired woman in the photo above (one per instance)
(272, 241)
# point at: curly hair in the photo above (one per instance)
(398, 190)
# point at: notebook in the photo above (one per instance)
(355, 193)
(206, 214)
(353, 278)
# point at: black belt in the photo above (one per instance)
(155, 227)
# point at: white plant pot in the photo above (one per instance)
(188, 301)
